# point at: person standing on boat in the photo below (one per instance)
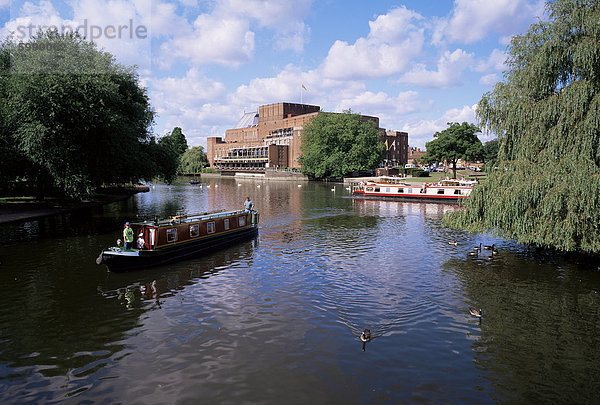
(141, 242)
(128, 236)
(248, 204)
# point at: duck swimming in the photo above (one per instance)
(453, 243)
(476, 312)
(366, 335)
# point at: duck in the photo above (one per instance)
(474, 253)
(476, 312)
(494, 250)
(239, 184)
(366, 335)
(453, 243)
(477, 248)
(333, 189)
(488, 247)
(299, 185)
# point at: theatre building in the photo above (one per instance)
(271, 138)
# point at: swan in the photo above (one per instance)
(366, 335)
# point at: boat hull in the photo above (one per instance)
(443, 199)
(121, 261)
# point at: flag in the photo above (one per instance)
(386, 145)
(304, 87)
(394, 144)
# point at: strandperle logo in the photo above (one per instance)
(88, 31)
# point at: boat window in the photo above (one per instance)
(387, 189)
(242, 220)
(171, 235)
(377, 189)
(194, 231)
(441, 191)
(210, 227)
(410, 191)
(401, 190)
(226, 224)
(369, 188)
(457, 191)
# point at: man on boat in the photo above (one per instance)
(128, 236)
(248, 204)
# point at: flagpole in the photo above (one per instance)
(300, 94)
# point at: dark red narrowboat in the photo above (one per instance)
(181, 237)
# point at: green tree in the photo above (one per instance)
(458, 141)
(490, 150)
(77, 117)
(168, 154)
(546, 190)
(334, 145)
(193, 161)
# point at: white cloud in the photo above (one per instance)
(495, 62)
(392, 43)
(449, 70)
(370, 103)
(282, 16)
(489, 80)
(420, 132)
(4, 3)
(226, 41)
(473, 20)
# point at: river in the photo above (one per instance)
(277, 319)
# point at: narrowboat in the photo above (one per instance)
(445, 191)
(180, 237)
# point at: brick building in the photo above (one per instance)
(272, 137)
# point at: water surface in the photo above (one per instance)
(277, 319)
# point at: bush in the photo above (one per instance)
(413, 171)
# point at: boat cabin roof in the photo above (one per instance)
(183, 219)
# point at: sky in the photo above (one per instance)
(415, 64)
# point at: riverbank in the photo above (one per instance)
(23, 209)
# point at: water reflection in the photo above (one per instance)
(279, 318)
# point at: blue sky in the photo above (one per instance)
(415, 64)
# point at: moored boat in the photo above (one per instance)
(446, 191)
(181, 237)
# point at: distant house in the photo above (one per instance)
(414, 154)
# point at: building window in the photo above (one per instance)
(242, 220)
(194, 231)
(226, 224)
(210, 227)
(171, 235)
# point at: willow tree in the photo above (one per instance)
(546, 113)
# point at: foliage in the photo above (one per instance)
(193, 161)
(458, 141)
(337, 144)
(490, 150)
(168, 152)
(546, 188)
(76, 117)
